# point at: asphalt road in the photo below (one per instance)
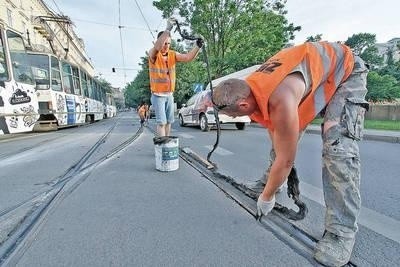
(125, 213)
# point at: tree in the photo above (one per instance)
(187, 74)
(238, 33)
(382, 87)
(105, 84)
(316, 38)
(364, 45)
(139, 89)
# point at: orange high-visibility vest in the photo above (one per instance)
(329, 64)
(162, 75)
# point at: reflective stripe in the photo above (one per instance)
(155, 70)
(319, 99)
(326, 61)
(159, 80)
(158, 70)
(339, 71)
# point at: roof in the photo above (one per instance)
(241, 74)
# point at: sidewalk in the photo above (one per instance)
(375, 135)
(126, 213)
(368, 134)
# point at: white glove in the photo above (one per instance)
(170, 23)
(264, 207)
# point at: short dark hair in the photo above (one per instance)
(161, 32)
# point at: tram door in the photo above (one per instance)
(18, 100)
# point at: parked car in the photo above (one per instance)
(199, 111)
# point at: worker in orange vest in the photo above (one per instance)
(162, 61)
(285, 94)
(142, 111)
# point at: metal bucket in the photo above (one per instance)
(166, 153)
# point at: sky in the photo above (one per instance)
(96, 22)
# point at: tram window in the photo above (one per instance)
(75, 77)
(84, 84)
(91, 88)
(20, 63)
(67, 78)
(3, 67)
(40, 69)
(55, 74)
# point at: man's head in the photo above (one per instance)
(233, 97)
(167, 42)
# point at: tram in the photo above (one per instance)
(40, 92)
(66, 93)
(18, 100)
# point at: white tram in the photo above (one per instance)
(18, 100)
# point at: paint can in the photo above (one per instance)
(167, 153)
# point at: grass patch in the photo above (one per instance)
(372, 124)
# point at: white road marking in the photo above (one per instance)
(377, 222)
(220, 151)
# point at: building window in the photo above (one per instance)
(9, 17)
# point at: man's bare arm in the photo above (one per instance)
(158, 45)
(283, 109)
(189, 56)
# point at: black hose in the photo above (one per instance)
(186, 36)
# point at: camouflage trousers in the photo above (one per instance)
(340, 153)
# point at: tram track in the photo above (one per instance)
(292, 235)
(20, 239)
(35, 209)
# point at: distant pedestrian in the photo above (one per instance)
(143, 110)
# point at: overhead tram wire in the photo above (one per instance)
(148, 26)
(120, 38)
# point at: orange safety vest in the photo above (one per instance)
(329, 64)
(162, 75)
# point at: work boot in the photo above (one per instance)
(334, 250)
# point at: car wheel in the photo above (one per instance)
(181, 123)
(240, 125)
(204, 123)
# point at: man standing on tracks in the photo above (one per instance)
(285, 94)
(162, 62)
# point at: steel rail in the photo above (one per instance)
(20, 239)
(293, 236)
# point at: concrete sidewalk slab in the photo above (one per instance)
(128, 214)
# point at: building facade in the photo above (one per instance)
(45, 30)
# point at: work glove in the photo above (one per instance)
(170, 23)
(264, 207)
(199, 41)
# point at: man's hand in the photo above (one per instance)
(170, 23)
(200, 42)
(264, 207)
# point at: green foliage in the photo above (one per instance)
(105, 84)
(382, 87)
(139, 89)
(363, 44)
(238, 33)
(316, 38)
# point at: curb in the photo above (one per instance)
(366, 136)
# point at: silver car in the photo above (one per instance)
(199, 111)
